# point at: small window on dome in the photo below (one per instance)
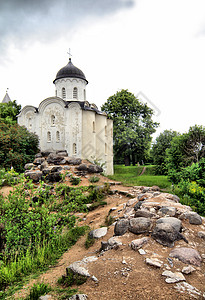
(84, 94)
(75, 93)
(53, 120)
(105, 130)
(105, 149)
(48, 136)
(74, 148)
(57, 136)
(93, 126)
(63, 93)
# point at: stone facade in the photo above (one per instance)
(67, 121)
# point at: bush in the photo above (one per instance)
(94, 179)
(38, 290)
(17, 146)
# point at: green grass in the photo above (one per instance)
(130, 176)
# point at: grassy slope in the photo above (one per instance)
(130, 176)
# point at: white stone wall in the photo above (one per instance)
(69, 84)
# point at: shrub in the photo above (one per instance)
(75, 180)
(38, 290)
(94, 179)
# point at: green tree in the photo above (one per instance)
(132, 126)
(17, 146)
(186, 149)
(9, 112)
(161, 144)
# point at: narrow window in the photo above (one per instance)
(30, 122)
(75, 93)
(105, 130)
(63, 93)
(84, 94)
(56, 93)
(93, 126)
(57, 136)
(53, 120)
(74, 148)
(48, 136)
(105, 149)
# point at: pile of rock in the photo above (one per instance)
(50, 165)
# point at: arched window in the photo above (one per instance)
(57, 136)
(105, 148)
(56, 93)
(53, 120)
(75, 93)
(63, 93)
(74, 148)
(105, 130)
(84, 94)
(93, 126)
(48, 136)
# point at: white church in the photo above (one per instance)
(69, 122)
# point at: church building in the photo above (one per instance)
(69, 122)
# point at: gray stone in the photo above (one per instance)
(138, 243)
(173, 277)
(82, 167)
(188, 288)
(171, 197)
(165, 234)
(154, 262)
(166, 210)
(98, 233)
(121, 227)
(55, 159)
(142, 252)
(28, 166)
(143, 213)
(79, 297)
(78, 267)
(131, 202)
(113, 241)
(94, 279)
(194, 218)
(89, 259)
(34, 175)
(94, 169)
(73, 161)
(39, 161)
(188, 270)
(46, 297)
(155, 188)
(63, 153)
(139, 225)
(201, 234)
(174, 222)
(187, 255)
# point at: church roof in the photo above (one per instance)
(6, 99)
(70, 71)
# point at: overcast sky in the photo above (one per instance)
(152, 48)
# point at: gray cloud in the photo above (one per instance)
(24, 21)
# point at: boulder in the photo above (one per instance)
(121, 227)
(38, 161)
(54, 177)
(82, 167)
(174, 222)
(167, 210)
(138, 243)
(78, 297)
(113, 241)
(155, 188)
(139, 225)
(201, 234)
(55, 159)
(173, 277)
(46, 153)
(165, 234)
(188, 270)
(98, 233)
(154, 262)
(94, 169)
(193, 217)
(78, 267)
(73, 161)
(63, 153)
(187, 255)
(28, 166)
(34, 175)
(131, 202)
(143, 213)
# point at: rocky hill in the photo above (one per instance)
(153, 248)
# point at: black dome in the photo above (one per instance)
(70, 71)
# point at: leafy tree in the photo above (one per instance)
(132, 126)
(186, 149)
(162, 143)
(17, 146)
(9, 112)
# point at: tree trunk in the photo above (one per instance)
(133, 159)
(127, 160)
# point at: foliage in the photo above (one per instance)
(9, 112)
(75, 180)
(89, 241)
(186, 149)
(9, 178)
(132, 126)
(38, 290)
(162, 143)
(17, 146)
(94, 179)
